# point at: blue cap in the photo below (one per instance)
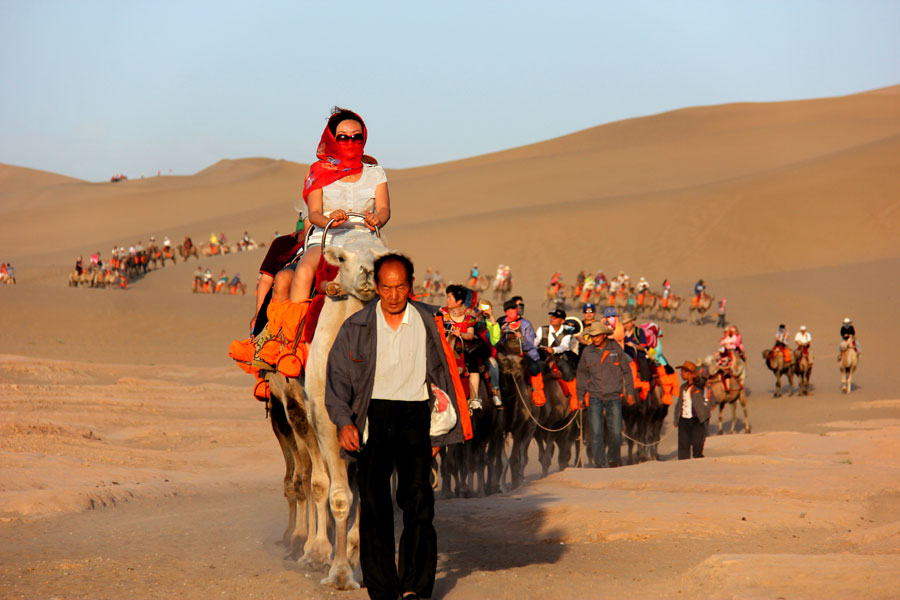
(588, 307)
(610, 311)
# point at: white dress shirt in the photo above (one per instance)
(565, 339)
(687, 405)
(803, 338)
(400, 358)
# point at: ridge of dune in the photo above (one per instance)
(239, 168)
(15, 179)
(888, 91)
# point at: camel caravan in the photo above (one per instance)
(499, 285)
(205, 283)
(216, 246)
(621, 293)
(124, 266)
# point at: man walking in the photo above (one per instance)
(692, 413)
(603, 372)
(383, 368)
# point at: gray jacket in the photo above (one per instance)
(699, 402)
(350, 375)
(604, 372)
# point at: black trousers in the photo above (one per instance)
(398, 438)
(691, 437)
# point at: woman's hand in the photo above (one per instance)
(372, 221)
(339, 216)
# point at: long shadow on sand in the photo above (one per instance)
(481, 535)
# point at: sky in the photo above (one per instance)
(91, 89)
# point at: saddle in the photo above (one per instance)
(292, 325)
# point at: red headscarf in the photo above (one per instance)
(335, 160)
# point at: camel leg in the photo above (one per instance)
(565, 443)
(477, 467)
(733, 416)
(516, 460)
(545, 451)
(279, 423)
(721, 408)
(317, 550)
(339, 497)
(353, 538)
(445, 474)
(744, 406)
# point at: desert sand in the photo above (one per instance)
(135, 463)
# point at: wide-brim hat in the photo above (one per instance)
(599, 328)
(688, 366)
(627, 317)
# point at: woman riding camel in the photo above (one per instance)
(468, 335)
(342, 180)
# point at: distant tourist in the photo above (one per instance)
(692, 413)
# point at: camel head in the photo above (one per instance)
(356, 260)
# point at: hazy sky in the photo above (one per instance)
(94, 88)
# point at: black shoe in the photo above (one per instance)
(410, 596)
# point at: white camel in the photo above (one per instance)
(356, 277)
(848, 359)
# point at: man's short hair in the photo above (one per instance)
(509, 304)
(394, 257)
(517, 299)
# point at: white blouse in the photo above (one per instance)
(357, 196)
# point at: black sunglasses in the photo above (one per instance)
(343, 138)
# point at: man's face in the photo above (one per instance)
(520, 307)
(511, 314)
(598, 340)
(687, 376)
(556, 322)
(587, 316)
(628, 326)
(393, 287)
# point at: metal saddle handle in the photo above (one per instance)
(328, 225)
